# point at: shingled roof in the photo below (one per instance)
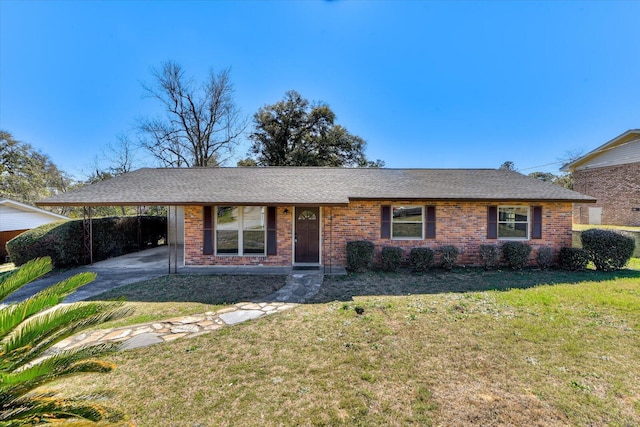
(310, 186)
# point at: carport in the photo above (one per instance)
(127, 192)
(173, 240)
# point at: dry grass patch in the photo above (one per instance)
(546, 356)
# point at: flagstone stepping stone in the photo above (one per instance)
(240, 316)
(142, 340)
(189, 329)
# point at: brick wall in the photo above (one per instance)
(617, 189)
(193, 240)
(463, 225)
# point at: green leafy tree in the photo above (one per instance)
(543, 176)
(26, 174)
(247, 162)
(28, 330)
(508, 165)
(295, 132)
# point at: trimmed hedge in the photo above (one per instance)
(544, 257)
(573, 259)
(516, 254)
(391, 258)
(607, 249)
(489, 255)
(360, 256)
(448, 257)
(421, 259)
(63, 241)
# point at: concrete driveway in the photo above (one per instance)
(112, 273)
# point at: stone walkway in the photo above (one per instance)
(297, 289)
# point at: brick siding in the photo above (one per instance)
(463, 225)
(617, 189)
(193, 240)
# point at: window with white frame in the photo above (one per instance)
(407, 222)
(513, 222)
(240, 230)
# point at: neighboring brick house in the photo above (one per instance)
(16, 218)
(611, 174)
(306, 215)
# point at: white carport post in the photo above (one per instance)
(172, 251)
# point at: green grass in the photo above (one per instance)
(582, 227)
(536, 354)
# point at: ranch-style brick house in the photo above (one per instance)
(611, 174)
(290, 216)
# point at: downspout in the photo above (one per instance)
(175, 229)
(169, 237)
(330, 238)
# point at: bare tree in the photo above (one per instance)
(201, 125)
(566, 179)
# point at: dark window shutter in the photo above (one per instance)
(492, 222)
(430, 230)
(207, 237)
(385, 224)
(272, 245)
(536, 223)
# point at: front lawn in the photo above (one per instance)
(439, 349)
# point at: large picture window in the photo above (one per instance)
(240, 230)
(513, 222)
(407, 222)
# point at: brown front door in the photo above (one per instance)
(307, 239)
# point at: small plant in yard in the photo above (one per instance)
(421, 259)
(516, 254)
(391, 258)
(489, 255)
(544, 257)
(607, 249)
(28, 329)
(359, 256)
(448, 257)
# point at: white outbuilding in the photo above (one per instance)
(16, 218)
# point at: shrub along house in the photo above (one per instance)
(306, 215)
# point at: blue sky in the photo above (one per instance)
(426, 84)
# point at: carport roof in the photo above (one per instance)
(310, 186)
